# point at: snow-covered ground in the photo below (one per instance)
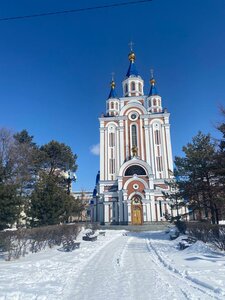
(132, 266)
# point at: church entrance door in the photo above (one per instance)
(136, 211)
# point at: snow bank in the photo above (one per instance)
(198, 247)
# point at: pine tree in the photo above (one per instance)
(220, 167)
(50, 202)
(9, 205)
(176, 200)
(10, 202)
(199, 182)
(46, 205)
(57, 157)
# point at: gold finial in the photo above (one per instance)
(134, 151)
(113, 84)
(131, 55)
(152, 80)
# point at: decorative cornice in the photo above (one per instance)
(112, 118)
(155, 115)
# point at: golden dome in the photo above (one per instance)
(132, 56)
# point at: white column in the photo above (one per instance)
(120, 207)
(129, 211)
(148, 152)
(148, 212)
(144, 212)
(147, 204)
(169, 148)
(106, 206)
(120, 182)
(127, 145)
(106, 154)
(125, 207)
(153, 208)
(121, 130)
(158, 210)
(102, 156)
(117, 154)
(141, 142)
(164, 153)
(152, 150)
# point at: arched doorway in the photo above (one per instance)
(136, 211)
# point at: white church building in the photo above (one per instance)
(135, 155)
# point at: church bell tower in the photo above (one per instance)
(135, 154)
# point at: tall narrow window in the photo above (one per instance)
(159, 164)
(126, 88)
(157, 137)
(111, 139)
(111, 165)
(139, 87)
(132, 86)
(112, 105)
(134, 135)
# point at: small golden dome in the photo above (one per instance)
(132, 56)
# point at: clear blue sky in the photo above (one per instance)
(55, 71)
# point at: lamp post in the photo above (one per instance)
(70, 176)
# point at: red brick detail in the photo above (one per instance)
(130, 188)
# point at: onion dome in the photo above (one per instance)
(153, 90)
(132, 71)
(112, 93)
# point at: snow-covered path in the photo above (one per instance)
(129, 268)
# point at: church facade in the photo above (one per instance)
(135, 155)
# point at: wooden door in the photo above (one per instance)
(136, 211)
(136, 215)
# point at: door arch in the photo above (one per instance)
(136, 211)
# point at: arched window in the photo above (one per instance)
(112, 105)
(132, 86)
(154, 102)
(139, 87)
(126, 88)
(134, 135)
(138, 170)
(116, 106)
